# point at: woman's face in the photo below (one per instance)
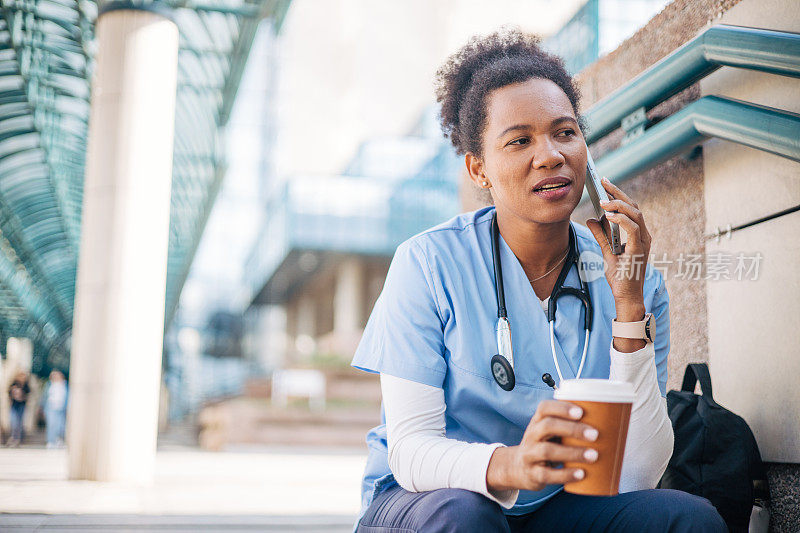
(531, 134)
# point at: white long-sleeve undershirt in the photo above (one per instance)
(422, 458)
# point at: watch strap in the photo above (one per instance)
(644, 329)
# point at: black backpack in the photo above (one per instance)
(715, 454)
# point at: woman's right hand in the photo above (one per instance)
(530, 465)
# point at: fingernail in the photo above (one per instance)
(605, 202)
(579, 474)
(590, 455)
(591, 434)
(606, 179)
(575, 412)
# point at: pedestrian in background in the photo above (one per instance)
(18, 392)
(55, 408)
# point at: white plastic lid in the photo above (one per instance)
(595, 390)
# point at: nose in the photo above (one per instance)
(547, 155)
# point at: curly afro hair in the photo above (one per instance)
(504, 57)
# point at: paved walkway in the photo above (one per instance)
(270, 489)
(16, 523)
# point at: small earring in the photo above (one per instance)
(485, 183)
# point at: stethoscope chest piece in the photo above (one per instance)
(503, 372)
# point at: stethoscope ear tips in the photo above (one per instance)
(548, 380)
(503, 372)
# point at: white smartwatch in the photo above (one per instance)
(644, 329)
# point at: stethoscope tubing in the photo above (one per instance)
(502, 364)
(498, 270)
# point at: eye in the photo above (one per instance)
(520, 141)
(570, 132)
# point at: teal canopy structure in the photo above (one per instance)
(46, 59)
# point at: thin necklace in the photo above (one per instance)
(549, 271)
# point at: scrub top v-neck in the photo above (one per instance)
(434, 323)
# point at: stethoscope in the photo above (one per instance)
(502, 365)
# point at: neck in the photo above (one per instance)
(538, 246)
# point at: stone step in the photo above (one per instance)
(329, 417)
(351, 436)
(339, 385)
(255, 421)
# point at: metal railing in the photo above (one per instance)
(646, 146)
(325, 214)
(757, 126)
(749, 48)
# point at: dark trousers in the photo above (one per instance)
(457, 510)
(17, 416)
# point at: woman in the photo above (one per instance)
(55, 408)
(457, 452)
(18, 393)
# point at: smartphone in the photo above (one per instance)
(597, 193)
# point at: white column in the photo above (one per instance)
(348, 300)
(348, 307)
(306, 340)
(119, 305)
(190, 343)
(270, 339)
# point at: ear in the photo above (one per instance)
(474, 166)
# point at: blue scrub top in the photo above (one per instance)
(434, 323)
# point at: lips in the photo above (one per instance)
(550, 182)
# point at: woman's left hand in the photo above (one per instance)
(625, 272)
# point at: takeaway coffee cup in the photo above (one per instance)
(606, 407)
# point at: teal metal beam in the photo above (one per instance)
(18, 281)
(242, 10)
(174, 299)
(47, 49)
(32, 261)
(33, 54)
(756, 126)
(276, 9)
(751, 48)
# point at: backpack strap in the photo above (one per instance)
(698, 372)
